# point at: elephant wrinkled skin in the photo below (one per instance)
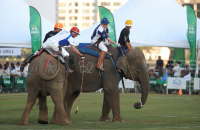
(93, 81)
(39, 87)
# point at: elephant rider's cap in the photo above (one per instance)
(58, 25)
(104, 21)
(129, 23)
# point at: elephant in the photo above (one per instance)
(43, 80)
(109, 82)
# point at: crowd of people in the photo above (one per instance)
(12, 69)
(174, 70)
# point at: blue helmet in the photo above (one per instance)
(104, 21)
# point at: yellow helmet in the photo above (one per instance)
(129, 23)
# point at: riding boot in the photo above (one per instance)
(67, 69)
(100, 61)
(26, 61)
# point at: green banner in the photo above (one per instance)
(6, 82)
(20, 81)
(191, 35)
(111, 26)
(179, 55)
(35, 29)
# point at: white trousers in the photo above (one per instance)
(101, 45)
(54, 45)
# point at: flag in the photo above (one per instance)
(191, 35)
(179, 55)
(165, 77)
(187, 77)
(35, 29)
(104, 12)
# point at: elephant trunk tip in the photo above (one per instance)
(138, 105)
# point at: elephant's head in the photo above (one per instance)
(138, 67)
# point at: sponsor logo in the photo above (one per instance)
(177, 82)
(153, 82)
(6, 81)
(34, 30)
(110, 29)
(20, 81)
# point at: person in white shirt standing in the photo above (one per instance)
(64, 38)
(25, 72)
(17, 68)
(98, 38)
(177, 70)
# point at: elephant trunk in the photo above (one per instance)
(144, 82)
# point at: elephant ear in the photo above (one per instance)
(121, 64)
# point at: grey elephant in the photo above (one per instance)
(109, 82)
(46, 79)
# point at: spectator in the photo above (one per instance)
(25, 72)
(1, 70)
(170, 64)
(13, 71)
(159, 65)
(8, 65)
(187, 67)
(11, 64)
(17, 68)
(6, 70)
(177, 70)
(152, 75)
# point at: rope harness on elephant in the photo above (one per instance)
(47, 62)
(115, 69)
(131, 75)
(80, 87)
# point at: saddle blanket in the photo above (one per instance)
(85, 48)
(51, 53)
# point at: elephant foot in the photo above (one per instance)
(118, 119)
(42, 121)
(104, 118)
(66, 122)
(70, 119)
(55, 122)
(23, 123)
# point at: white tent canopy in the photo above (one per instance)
(14, 24)
(156, 23)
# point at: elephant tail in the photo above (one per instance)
(47, 68)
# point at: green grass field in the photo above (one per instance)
(160, 112)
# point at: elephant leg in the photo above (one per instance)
(43, 110)
(32, 96)
(68, 104)
(105, 110)
(113, 98)
(57, 97)
(55, 118)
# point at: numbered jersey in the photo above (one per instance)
(99, 33)
(64, 38)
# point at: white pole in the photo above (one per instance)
(197, 61)
(190, 86)
(122, 90)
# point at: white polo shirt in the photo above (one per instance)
(62, 38)
(99, 34)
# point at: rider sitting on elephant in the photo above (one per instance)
(57, 28)
(98, 39)
(64, 38)
(124, 38)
